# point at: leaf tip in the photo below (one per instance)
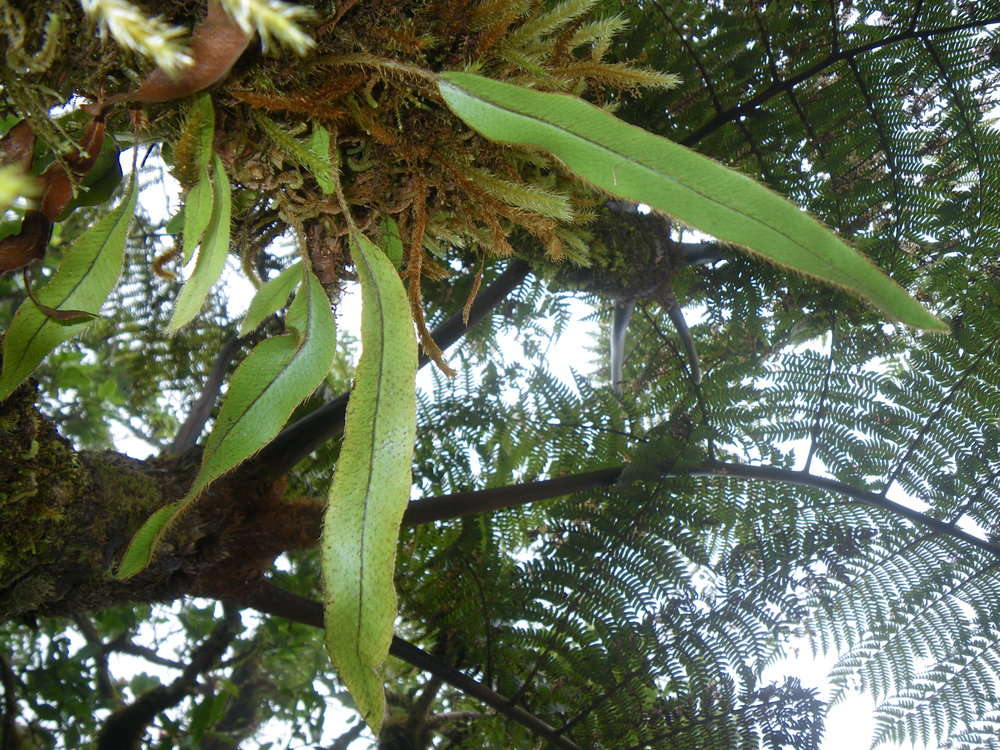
(144, 542)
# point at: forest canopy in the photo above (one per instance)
(784, 219)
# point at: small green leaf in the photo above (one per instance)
(313, 154)
(371, 487)
(211, 256)
(197, 210)
(175, 224)
(392, 241)
(140, 549)
(200, 128)
(88, 273)
(270, 297)
(629, 162)
(319, 146)
(101, 180)
(267, 386)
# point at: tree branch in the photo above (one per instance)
(265, 597)
(123, 730)
(482, 501)
(8, 738)
(873, 499)
(327, 422)
(459, 504)
(105, 685)
(187, 435)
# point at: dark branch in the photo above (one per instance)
(242, 716)
(483, 501)
(123, 645)
(327, 422)
(273, 600)
(8, 738)
(497, 498)
(344, 741)
(701, 253)
(105, 685)
(187, 435)
(774, 474)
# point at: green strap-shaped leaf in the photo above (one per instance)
(267, 386)
(627, 161)
(87, 274)
(211, 256)
(371, 486)
(198, 205)
(270, 297)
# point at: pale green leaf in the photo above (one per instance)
(197, 209)
(270, 297)
(175, 224)
(629, 162)
(87, 274)
(392, 241)
(211, 256)
(322, 167)
(371, 486)
(267, 386)
(200, 127)
(313, 153)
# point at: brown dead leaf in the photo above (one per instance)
(17, 145)
(28, 245)
(216, 45)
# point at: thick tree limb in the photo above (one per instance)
(327, 422)
(270, 599)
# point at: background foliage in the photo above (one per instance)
(638, 615)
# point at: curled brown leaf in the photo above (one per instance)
(57, 186)
(19, 250)
(216, 45)
(17, 145)
(63, 316)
